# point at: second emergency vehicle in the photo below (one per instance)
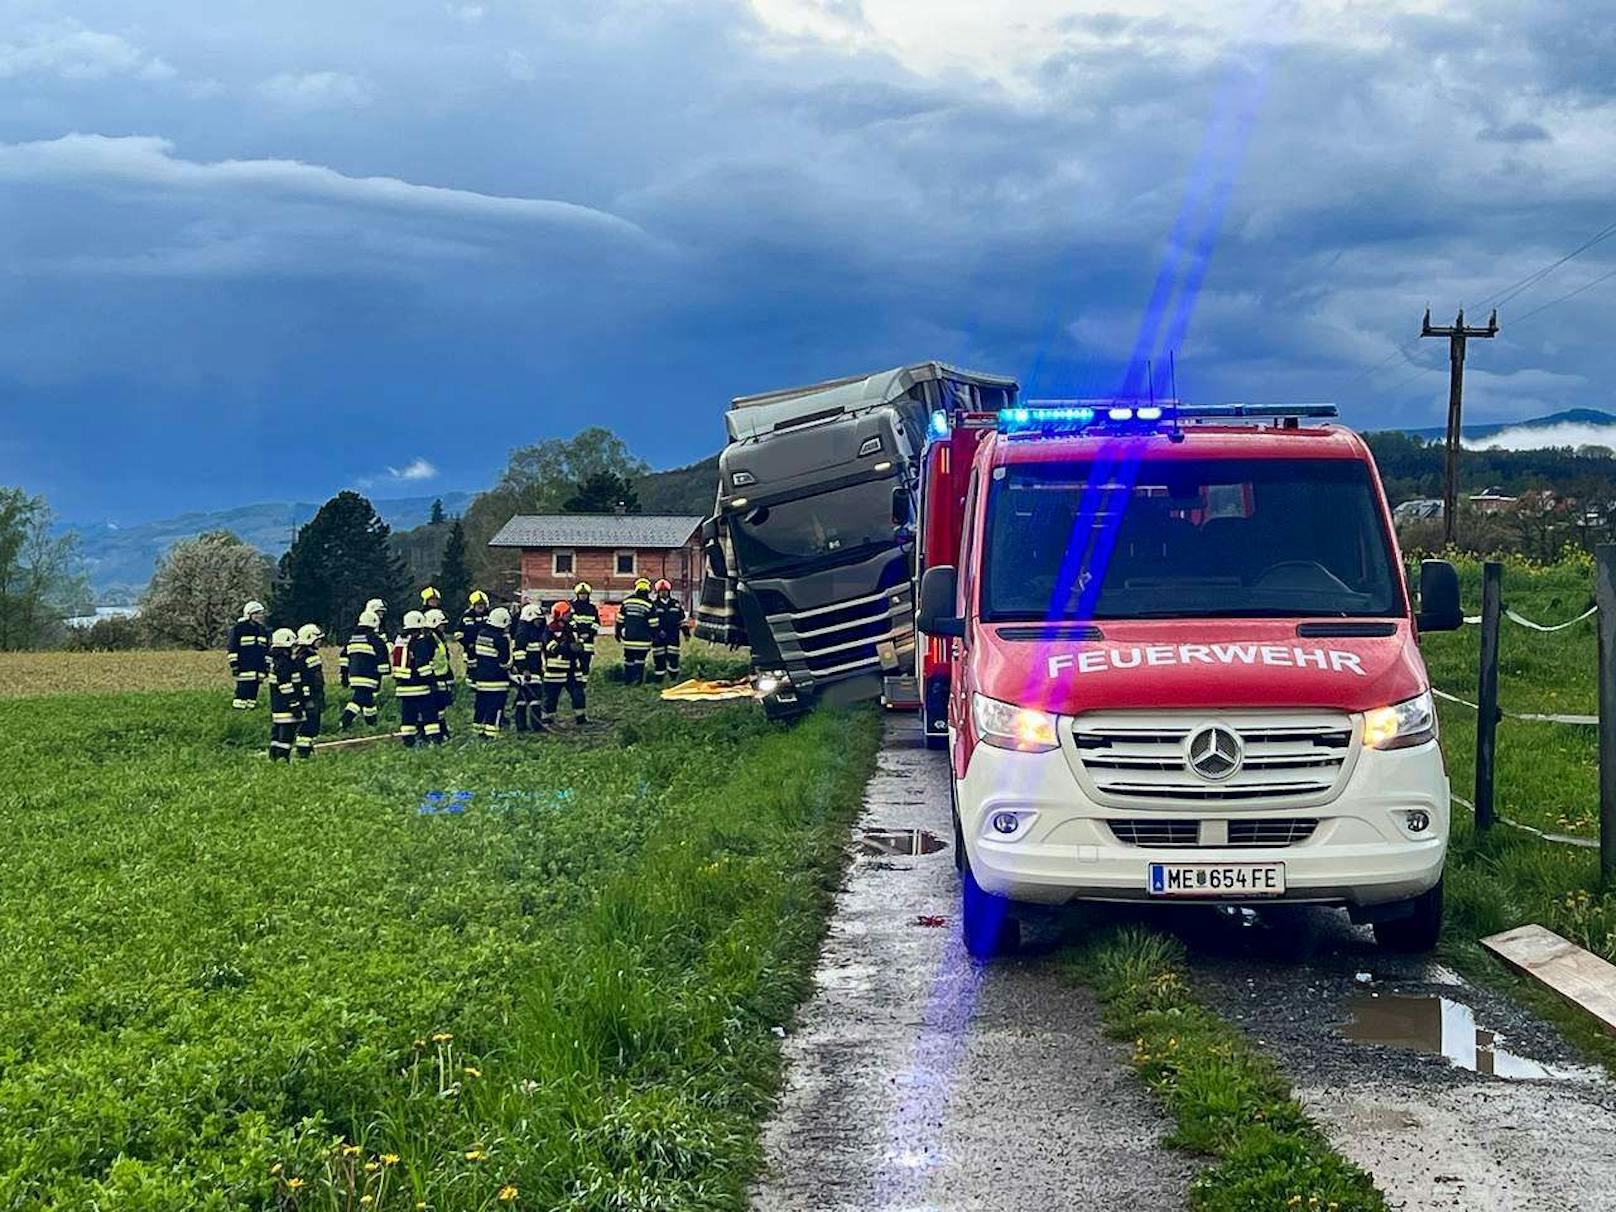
(1183, 667)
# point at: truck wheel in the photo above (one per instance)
(1416, 931)
(986, 921)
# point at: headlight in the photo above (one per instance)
(1411, 722)
(1010, 727)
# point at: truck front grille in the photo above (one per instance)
(1156, 833)
(865, 634)
(1131, 758)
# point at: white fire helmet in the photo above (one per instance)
(500, 617)
(436, 618)
(531, 611)
(309, 634)
(414, 620)
(251, 608)
(369, 618)
(284, 637)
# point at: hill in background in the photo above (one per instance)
(120, 560)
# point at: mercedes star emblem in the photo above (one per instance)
(1214, 752)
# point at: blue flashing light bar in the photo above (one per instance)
(1143, 416)
(939, 423)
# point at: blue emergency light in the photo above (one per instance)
(1142, 416)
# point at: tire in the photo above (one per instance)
(989, 927)
(1416, 931)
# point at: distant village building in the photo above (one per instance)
(1493, 500)
(1417, 510)
(610, 551)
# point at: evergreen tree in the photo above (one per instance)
(454, 576)
(602, 492)
(437, 512)
(338, 562)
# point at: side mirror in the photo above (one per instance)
(1439, 597)
(901, 506)
(939, 590)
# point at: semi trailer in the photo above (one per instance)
(1183, 667)
(814, 544)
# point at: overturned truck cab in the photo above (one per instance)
(811, 547)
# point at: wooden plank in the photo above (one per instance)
(1579, 976)
(351, 741)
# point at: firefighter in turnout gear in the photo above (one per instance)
(491, 672)
(634, 630)
(442, 670)
(430, 599)
(527, 642)
(248, 655)
(667, 631)
(470, 623)
(285, 694)
(363, 665)
(563, 661)
(312, 671)
(586, 622)
(416, 685)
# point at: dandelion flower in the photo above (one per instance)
(366, 1200)
(276, 1168)
(294, 1183)
(351, 1150)
(470, 1072)
(508, 1193)
(442, 1037)
(371, 1167)
(389, 1159)
(474, 1155)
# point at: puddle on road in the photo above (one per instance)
(886, 843)
(1444, 1027)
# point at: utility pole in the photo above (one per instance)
(1457, 335)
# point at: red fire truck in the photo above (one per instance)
(1181, 665)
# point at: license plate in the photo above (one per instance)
(1217, 879)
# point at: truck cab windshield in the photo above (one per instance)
(826, 528)
(1234, 538)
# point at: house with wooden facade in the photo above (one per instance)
(610, 551)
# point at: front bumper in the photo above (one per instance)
(1359, 854)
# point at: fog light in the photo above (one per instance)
(767, 683)
(1006, 822)
(1418, 821)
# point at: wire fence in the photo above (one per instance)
(1489, 712)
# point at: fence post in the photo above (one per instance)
(1605, 599)
(1492, 582)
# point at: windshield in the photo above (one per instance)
(1259, 538)
(826, 528)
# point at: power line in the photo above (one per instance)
(1610, 273)
(1499, 298)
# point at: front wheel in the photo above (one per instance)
(1418, 930)
(986, 921)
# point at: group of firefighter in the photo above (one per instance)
(538, 654)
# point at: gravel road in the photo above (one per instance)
(919, 1080)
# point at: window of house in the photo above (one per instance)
(626, 566)
(561, 563)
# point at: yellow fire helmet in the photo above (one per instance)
(582, 589)
(309, 635)
(477, 598)
(644, 584)
(429, 594)
(284, 637)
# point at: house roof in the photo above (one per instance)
(639, 530)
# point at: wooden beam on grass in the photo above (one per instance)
(1579, 976)
(348, 742)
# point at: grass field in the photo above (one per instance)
(231, 984)
(1547, 777)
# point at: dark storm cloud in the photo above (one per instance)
(438, 230)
